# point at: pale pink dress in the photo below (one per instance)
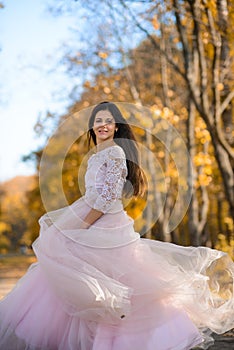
(105, 288)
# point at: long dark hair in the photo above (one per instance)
(124, 137)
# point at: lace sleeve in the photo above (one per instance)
(115, 176)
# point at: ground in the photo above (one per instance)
(12, 267)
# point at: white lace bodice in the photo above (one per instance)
(105, 178)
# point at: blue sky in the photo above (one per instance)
(31, 79)
(30, 40)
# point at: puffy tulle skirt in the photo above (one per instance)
(105, 288)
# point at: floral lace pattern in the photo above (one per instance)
(109, 171)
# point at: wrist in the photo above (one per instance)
(85, 225)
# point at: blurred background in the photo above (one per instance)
(174, 57)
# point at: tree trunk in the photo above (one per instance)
(225, 68)
(192, 177)
(226, 170)
(207, 101)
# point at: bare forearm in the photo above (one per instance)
(91, 217)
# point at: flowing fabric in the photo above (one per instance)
(105, 288)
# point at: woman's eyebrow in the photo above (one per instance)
(105, 118)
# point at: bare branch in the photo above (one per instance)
(185, 45)
(153, 41)
(164, 70)
(226, 102)
(190, 63)
(196, 12)
(216, 40)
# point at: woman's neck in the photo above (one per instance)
(102, 145)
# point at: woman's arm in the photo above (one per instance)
(116, 172)
(91, 217)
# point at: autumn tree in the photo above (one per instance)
(15, 216)
(201, 29)
(173, 66)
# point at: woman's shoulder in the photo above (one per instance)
(111, 152)
(115, 151)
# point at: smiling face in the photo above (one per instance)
(104, 126)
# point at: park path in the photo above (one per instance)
(8, 281)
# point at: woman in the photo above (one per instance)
(97, 285)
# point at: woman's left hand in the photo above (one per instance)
(84, 225)
(92, 216)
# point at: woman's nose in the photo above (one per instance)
(103, 124)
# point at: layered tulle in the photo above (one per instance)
(105, 288)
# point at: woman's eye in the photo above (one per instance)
(108, 121)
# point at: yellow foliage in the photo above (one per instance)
(4, 227)
(207, 170)
(202, 159)
(86, 104)
(229, 222)
(102, 55)
(212, 5)
(165, 113)
(140, 132)
(172, 172)
(176, 119)
(223, 245)
(4, 244)
(220, 86)
(161, 154)
(87, 84)
(135, 207)
(204, 180)
(155, 23)
(139, 224)
(146, 122)
(156, 112)
(107, 90)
